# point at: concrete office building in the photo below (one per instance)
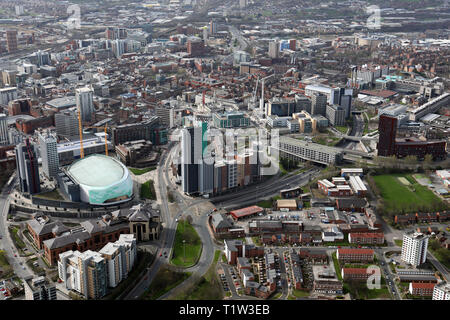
(150, 129)
(167, 116)
(115, 33)
(195, 46)
(332, 94)
(281, 107)
(275, 121)
(11, 40)
(293, 125)
(303, 103)
(306, 123)
(19, 106)
(414, 248)
(7, 95)
(231, 120)
(4, 139)
(118, 47)
(19, 10)
(441, 291)
(430, 107)
(346, 104)
(27, 168)
(60, 104)
(318, 104)
(9, 77)
(39, 289)
(85, 102)
(335, 114)
(137, 154)
(66, 124)
(274, 49)
(49, 154)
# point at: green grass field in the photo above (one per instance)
(5, 267)
(265, 204)
(441, 254)
(342, 129)
(359, 290)
(337, 267)
(268, 203)
(138, 172)
(300, 293)
(208, 287)
(15, 237)
(326, 140)
(398, 197)
(398, 242)
(193, 246)
(144, 259)
(148, 190)
(165, 280)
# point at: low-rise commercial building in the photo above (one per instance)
(355, 255)
(42, 229)
(357, 274)
(289, 204)
(366, 238)
(246, 212)
(421, 289)
(141, 220)
(328, 286)
(231, 120)
(348, 172)
(137, 153)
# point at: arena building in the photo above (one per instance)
(102, 180)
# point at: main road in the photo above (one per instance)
(18, 263)
(166, 240)
(168, 234)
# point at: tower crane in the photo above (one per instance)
(80, 130)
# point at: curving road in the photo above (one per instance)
(18, 263)
(165, 243)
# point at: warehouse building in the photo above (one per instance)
(357, 186)
(246, 212)
(289, 204)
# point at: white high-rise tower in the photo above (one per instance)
(414, 248)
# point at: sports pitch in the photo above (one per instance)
(397, 196)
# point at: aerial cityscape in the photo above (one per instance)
(224, 150)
